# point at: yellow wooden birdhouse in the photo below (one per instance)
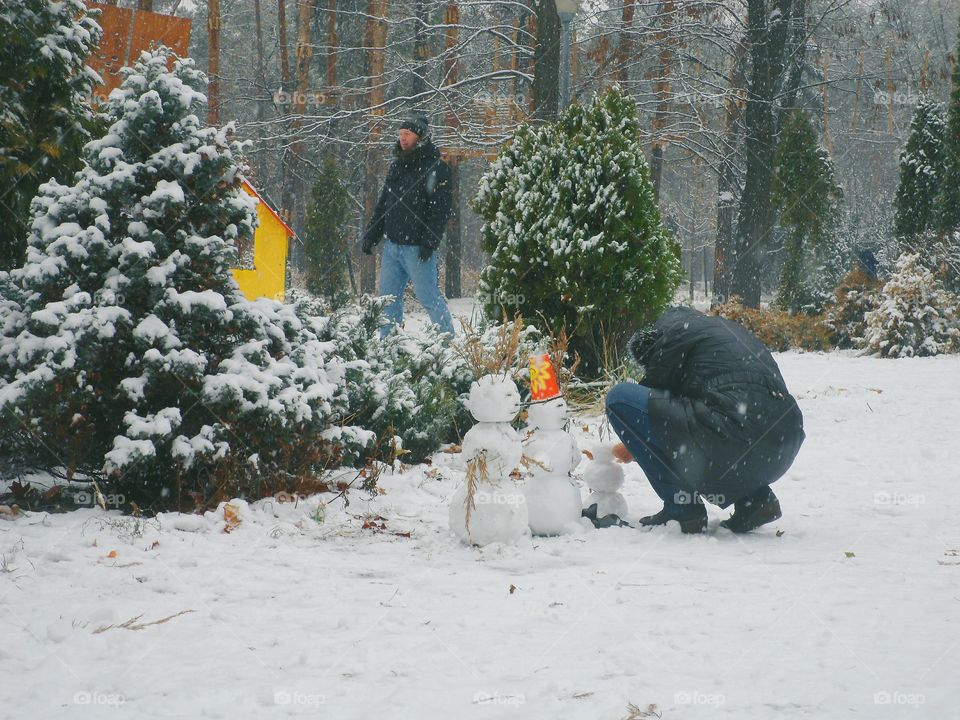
(263, 268)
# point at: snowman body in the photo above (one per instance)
(491, 450)
(553, 499)
(604, 476)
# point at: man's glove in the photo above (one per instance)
(368, 244)
(425, 252)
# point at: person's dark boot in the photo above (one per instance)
(691, 517)
(606, 521)
(751, 512)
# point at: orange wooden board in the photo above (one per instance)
(127, 33)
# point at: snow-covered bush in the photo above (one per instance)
(856, 295)
(573, 229)
(404, 386)
(45, 112)
(939, 252)
(134, 358)
(916, 315)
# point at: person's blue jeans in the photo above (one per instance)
(629, 415)
(401, 264)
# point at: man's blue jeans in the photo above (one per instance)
(629, 415)
(401, 264)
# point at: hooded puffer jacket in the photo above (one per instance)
(719, 404)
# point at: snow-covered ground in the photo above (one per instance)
(848, 607)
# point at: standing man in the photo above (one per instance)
(713, 421)
(412, 213)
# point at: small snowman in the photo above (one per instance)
(488, 508)
(553, 499)
(604, 476)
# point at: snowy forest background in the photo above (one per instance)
(857, 69)
(296, 78)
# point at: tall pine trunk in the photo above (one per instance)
(546, 67)
(767, 34)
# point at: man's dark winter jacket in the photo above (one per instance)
(719, 404)
(414, 203)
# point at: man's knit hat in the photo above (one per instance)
(417, 124)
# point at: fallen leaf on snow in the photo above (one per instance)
(231, 513)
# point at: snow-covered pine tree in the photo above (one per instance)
(325, 236)
(808, 197)
(916, 315)
(134, 358)
(948, 201)
(45, 113)
(574, 231)
(922, 167)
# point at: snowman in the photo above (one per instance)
(604, 476)
(553, 499)
(488, 508)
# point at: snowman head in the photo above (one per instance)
(603, 454)
(493, 398)
(548, 415)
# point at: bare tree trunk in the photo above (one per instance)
(454, 258)
(333, 43)
(625, 43)
(546, 69)
(421, 50)
(375, 35)
(213, 62)
(825, 92)
(261, 86)
(304, 53)
(284, 50)
(454, 230)
(727, 180)
(286, 191)
(767, 39)
(856, 96)
(662, 90)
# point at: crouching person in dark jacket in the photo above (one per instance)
(713, 420)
